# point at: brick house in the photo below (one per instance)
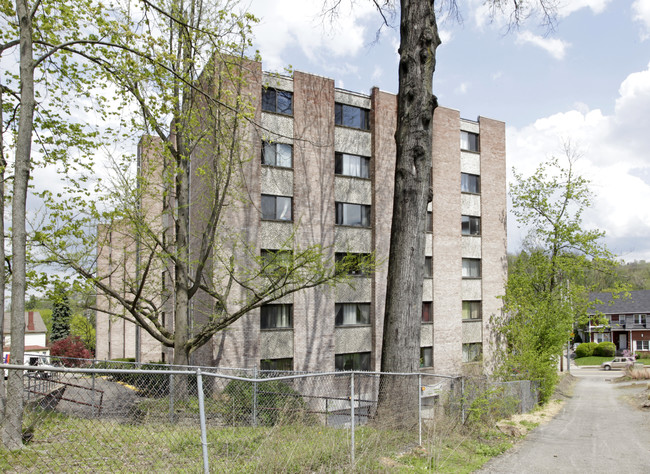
(327, 162)
(628, 321)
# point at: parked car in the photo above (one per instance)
(618, 363)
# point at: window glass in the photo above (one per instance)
(354, 361)
(471, 268)
(470, 183)
(352, 165)
(357, 215)
(276, 316)
(470, 225)
(277, 364)
(429, 223)
(277, 101)
(642, 345)
(471, 310)
(351, 314)
(426, 312)
(468, 141)
(277, 154)
(428, 267)
(276, 208)
(351, 116)
(426, 356)
(639, 319)
(472, 352)
(276, 263)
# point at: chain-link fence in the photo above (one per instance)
(102, 416)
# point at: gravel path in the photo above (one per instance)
(598, 431)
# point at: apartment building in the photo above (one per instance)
(325, 176)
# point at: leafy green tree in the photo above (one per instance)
(545, 293)
(61, 315)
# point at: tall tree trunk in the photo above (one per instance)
(3, 166)
(414, 135)
(12, 426)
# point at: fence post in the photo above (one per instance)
(462, 399)
(255, 395)
(352, 418)
(171, 398)
(94, 392)
(204, 437)
(420, 388)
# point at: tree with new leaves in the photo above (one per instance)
(545, 293)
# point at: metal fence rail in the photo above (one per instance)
(105, 418)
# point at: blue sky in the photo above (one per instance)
(588, 81)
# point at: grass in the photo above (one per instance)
(594, 360)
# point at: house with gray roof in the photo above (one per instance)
(627, 322)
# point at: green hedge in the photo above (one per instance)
(605, 349)
(586, 349)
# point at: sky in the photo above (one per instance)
(587, 82)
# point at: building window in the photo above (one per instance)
(276, 316)
(472, 352)
(642, 345)
(429, 223)
(277, 364)
(426, 356)
(358, 264)
(470, 183)
(354, 361)
(276, 208)
(471, 268)
(279, 102)
(277, 154)
(351, 116)
(471, 310)
(470, 225)
(428, 267)
(357, 215)
(468, 141)
(352, 314)
(426, 312)
(639, 319)
(351, 165)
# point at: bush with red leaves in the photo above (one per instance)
(71, 350)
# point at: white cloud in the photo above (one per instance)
(462, 88)
(445, 36)
(570, 6)
(290, 23)
(555, 47)
(641, 13)
(614, 150)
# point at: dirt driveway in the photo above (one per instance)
(598, 431)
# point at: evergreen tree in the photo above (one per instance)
(60, 315)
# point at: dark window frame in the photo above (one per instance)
(269, 321)
(428, 267)
(470, 275)
(362, 312)
(356, 269)
(266, 162)
(281, 365)
(352, 361)
(470, 225)
(274, 101)
(427, 312)
(472, 355)
(424, 363)
(474, 314)
(345, 115)
(473, 141)
(339, 165)
(275, 207)
(365, 215)
(470, 183)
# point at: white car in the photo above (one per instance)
(618, 363)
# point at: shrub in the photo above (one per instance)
(276, 402)
(605, 349)
(70, 349)
(586, 349)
